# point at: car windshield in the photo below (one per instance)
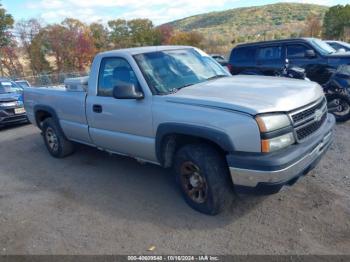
(170, 70)
(23, 83)
(346, 45)
(9, 87)
(322, 47)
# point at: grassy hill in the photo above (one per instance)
(273, 21)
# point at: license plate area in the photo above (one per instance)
(19, 111)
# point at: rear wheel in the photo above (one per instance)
(339, 106)
(56, 143)
(203, 177)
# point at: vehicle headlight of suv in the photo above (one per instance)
(7, 104)
(276, 132)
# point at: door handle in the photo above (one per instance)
(97, 108)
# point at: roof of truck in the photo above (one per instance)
(276, 41)
(146, 49)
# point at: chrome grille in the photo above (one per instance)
(309, 119)
(309, 129)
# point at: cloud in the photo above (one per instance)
(159, 11)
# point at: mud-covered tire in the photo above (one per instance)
(211, 166)
(56, 143)
(345, 101)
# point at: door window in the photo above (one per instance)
(114, 72)
(243, 54)
(270, 53)
(296, 51)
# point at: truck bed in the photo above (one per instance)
(68, 105)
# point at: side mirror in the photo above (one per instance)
(310, 54)
(127, 91)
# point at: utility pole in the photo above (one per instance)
(1, 68)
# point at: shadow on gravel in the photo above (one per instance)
(117, 186)
(13, 126)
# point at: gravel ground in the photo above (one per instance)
(94, 203)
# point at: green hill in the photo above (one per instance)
(273, 21)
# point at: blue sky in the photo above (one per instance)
(159, 11)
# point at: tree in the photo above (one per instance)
(6, 23)
(166, 32)
(82, 44)
(336, 22)
(186, 38)
(313, 26)
(119, 36)
(34, 45)
(71, 44)
(100, 36)
(135, 32)
(59, 43)
(143, 32)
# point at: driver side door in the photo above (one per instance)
(121, 126)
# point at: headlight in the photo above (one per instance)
(272, 122)
(8, 104)
(276, 143)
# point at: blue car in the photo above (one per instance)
(11, 103)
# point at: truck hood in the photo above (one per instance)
(9, 97)
(339, 55)
(250, 94)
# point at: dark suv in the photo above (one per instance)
(318, 59)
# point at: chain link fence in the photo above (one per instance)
(47, 80)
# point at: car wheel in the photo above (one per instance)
(56, 143)
(203, 177)
(339, 106)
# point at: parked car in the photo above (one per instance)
(11, 103)
(23, 83)
(314, 55)
(339, 45)
(221, 60)
(175, 107)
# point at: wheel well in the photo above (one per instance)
(173, 142)
(40, 116)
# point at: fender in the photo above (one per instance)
(216, 136)
(47, 109)
(52, 113)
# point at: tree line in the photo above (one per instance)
(70, 46)
(30, 47)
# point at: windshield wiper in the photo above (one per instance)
(216, 77)
(176, 89)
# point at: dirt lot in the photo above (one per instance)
(93, 203)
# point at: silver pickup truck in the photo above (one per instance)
(176, 107)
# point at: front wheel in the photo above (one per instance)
(203, 177)
(339, 106)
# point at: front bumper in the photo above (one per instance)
(7, 117)
(268, 173)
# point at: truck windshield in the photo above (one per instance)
(322, 47)
(170, 70)
(9, 87)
